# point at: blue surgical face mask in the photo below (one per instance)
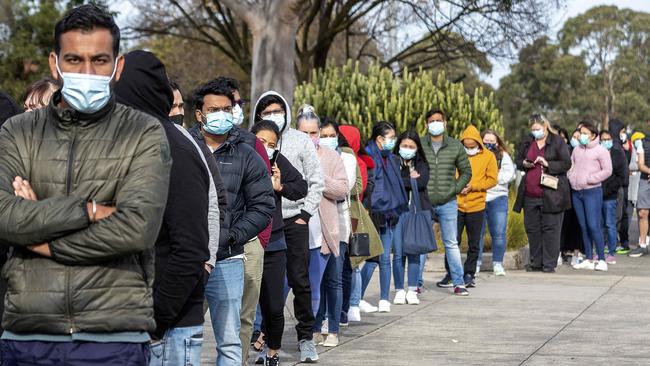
(86, 93)
(389, 144)
(537, 134)
(583, 139)
(407, 154)
(574, 142)
(436, 128)
(278, 118)
(607, 144)
(329, 142)
(218, 123)
(237, 115)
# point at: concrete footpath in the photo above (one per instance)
(567, 318)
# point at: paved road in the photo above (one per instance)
(568, 318)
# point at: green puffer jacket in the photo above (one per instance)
(100, 275)
(449, 169)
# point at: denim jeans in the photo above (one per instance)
(317, 265)
(423, 262)
(331, 293)
(179, 347)
(355, 285)
(588, 204)
(496, 217)
(448, 217)
(224, 292)
(399, 262)
(366, 275)
(609, 218)
(386, 235)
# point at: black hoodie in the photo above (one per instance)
(8, 108)
(615, 128)
(182, 244)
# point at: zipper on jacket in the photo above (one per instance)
(70, 167)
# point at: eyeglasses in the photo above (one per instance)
(275, 111)
(227, 109)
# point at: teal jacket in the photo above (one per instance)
(449, 169)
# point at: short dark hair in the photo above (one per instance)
(431, 112)
(267, 101)
(266, 125)
(590, 127)
(228, 82)
(212, 87)
(86, 18)
(174, 86)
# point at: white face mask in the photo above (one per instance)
(270, 152)
(473, 151)
(278, 118)
(237, 115)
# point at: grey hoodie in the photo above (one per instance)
(301, 153)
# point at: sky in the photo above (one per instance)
(573, 8)
(499, 69)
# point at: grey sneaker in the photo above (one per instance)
(638, 252)
(308, 353)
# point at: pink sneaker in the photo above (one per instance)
(610, 259)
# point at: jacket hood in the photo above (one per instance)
(144, 85)
(471, 132)
(8, 108)
(287, 108)
(615, 128)
(353, 136)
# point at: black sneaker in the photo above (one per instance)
(638, 252)
(530, 268)
(461, 291)
(344, 319)
(273, 361)
(445, 282)
(469, 281)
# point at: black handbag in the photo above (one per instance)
(360, 239)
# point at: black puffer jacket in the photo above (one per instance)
(559, 163)
(250, 193)
(100, 276)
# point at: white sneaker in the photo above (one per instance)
(585, 264)
(412, 298)
(400, 297)
(324, 329)
(318, 338)
(601, 266)
(354, 314)
(559, 260)
(576, 259)
(365, 307)
(332, 340)
(498, 270)
(384, 306)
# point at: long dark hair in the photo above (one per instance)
(380, 128)
(411, 135)
(326, 122)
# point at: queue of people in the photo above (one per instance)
(125, 228)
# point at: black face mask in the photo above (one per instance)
(178, 119)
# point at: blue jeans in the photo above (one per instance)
(609, 218)
(355, 284)
(496, 217)
(366, 275)
(588, 204)
(423, 262)
(399, 262)
(386, 235)
(224, 292)
(179, 347)
(448, 217)
(317, 265)
(331, 293)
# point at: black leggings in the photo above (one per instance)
(271, 297)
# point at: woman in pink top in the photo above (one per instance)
(591, 166)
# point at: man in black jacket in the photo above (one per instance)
(611, 189)
(182, 244)
(250, 206)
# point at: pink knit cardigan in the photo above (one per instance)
(336, 189)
